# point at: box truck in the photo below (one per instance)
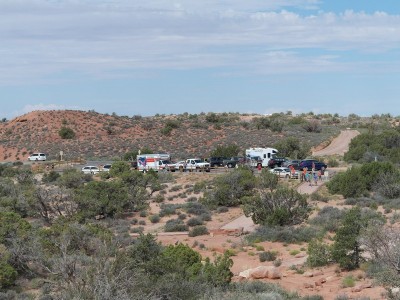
(156, 162)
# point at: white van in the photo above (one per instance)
(37, 157)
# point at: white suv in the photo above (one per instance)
(37, 156)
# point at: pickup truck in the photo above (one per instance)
(197, 164)
(276, 162)
(233, 161)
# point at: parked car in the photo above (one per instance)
(281, 172)
(276, 161)
(310, 163)
(180, 165)
(106, 168)
(90, 170)
(37, 157)
(216, 161)
(292, 162)
(167, 165)
(234, 161)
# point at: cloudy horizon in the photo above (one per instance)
(148, 57)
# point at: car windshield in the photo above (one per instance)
(198, 161)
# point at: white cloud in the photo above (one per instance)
(41, 106)
(94, 37)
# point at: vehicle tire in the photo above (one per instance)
(230, 165)
(287, 176)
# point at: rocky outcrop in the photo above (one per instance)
(260, 272)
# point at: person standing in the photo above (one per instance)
(315, 174)
(308, 178)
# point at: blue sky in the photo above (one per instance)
(135, 57)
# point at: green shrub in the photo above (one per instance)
(66, 133)
(346, 249)
(182, 216)
(230, 189)
(367, 147)
(318, 197)
(154, 219)
(286, 234)
(198, 230)
(222, 209)
(332, 163)
(267, 256)
(175, 225)
(318, 254)
(351, 183)
(175, 188)
(328, 218)
(196, 208)
(283, 206)
(168, 209)
(225, 151)
(52, 176)
(348, 281)
(159, 198)
(195, 221)
(205, 217)
(139, 229)
(8, 275)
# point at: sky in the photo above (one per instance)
(147, 57)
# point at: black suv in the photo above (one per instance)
(233, 161)
(216, 161)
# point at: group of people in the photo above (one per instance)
(313, 176)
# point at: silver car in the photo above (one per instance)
(90, 170)
(283, 172)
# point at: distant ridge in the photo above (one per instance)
(110, 136)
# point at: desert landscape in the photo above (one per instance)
(213, 213)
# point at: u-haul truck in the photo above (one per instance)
(154, 162)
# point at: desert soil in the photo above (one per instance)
(226, 234)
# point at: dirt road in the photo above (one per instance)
(339, 145)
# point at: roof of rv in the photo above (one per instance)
(262, 149)
(155, 155)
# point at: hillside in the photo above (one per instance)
(110, 136)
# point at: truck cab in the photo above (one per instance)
(197, 164)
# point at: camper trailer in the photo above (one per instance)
(260, 156)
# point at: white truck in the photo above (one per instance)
(196, 164)
(260, 156)
(156, 162)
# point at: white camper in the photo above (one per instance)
(154, 162)
(260, 156)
